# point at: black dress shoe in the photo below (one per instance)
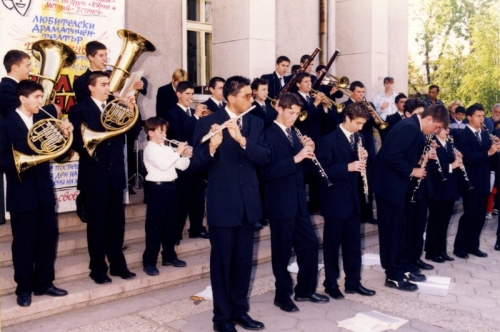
(202, 234)
(478, 253)
(372, 221)
(24, 299)
(423, 265)
(124, 275)
(100, 278)
(175, 263)
(246, 322)
(264, 222)
(224, 327)
(131, 190)
(257, 226)
(435, 258)
(335, 293)
(287, 306)
(151, 270)
(403, 285)
(52, 291)
(447, 257)
(497, 245)
(460, 254)
(2, 221)
(361, 291)
(416, 277)
(315, 297)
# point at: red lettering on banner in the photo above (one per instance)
(63, 84)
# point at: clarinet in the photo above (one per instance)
(424, 158)
(440, 169)
(456, 153)
(363, 173)
(315, 161)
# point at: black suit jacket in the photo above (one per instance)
(268, 116)
(212, 106)
(391, 120)
(165, 99)
(181, 125)
(284, 179)
(476, 160)
(312, 126)
(107, 168)
(35, 189)
(233, 187)
(334, 152)
(81, 88)
(443, 190)
(274, 85)
(394, 163)
(8, 100)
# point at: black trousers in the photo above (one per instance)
(230, 269)
(191, 201)
(312, 179)
(471, 223)
(105, 230)
(392, 238)
(2, 199)
(416, 220)
(297, 233)
(437, 225)
(161, 222)
(343, 233)
(34, 247)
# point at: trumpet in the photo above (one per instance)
(302, 115)
(376, 118)
(175, 143)
(274, 102)
(314, 160)
(222, 127)
(363, 173)
(330, 103)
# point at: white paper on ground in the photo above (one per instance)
(434, 285)
(206, 293)
(294, 267)
(372, 321)
(370, 259)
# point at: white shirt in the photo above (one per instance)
(28, 121)
(381, 98)
(216, 101)
(99, 103)
(161, 161)
(17, 81)
(282, 126)
(346, 132)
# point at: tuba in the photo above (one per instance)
(133, 46)
(53, 57)
(119, 115)
(45, 139)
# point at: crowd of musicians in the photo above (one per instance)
(247, 154)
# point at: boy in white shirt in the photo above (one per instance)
(161, 199)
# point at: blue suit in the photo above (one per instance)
(233, 207)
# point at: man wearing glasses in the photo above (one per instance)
(233, 202)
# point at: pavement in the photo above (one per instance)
(473, 304)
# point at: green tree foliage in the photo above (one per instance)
(460, 42)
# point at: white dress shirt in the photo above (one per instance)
(381, 98)
(28, 121)
(161, 161)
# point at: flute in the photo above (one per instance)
(462, 168)
(363, 173)
(222, 127)
(315, 160)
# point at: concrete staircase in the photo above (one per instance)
(72, 266)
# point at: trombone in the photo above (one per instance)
(330, 103)
(342, 82)
(376, 118)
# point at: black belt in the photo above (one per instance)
(161, 183)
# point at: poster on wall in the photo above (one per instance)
(74, 23)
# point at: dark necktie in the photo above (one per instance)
(308, 99)
(478, 136)
(264, 108)
(289, 135)
(221, 105)
(103, 105)
(188, 111)
(239, 123)
(351, 141)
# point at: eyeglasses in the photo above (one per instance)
(247, 97)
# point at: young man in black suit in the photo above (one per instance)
(338, 153)
(30, 199)
(233, 202)
(190, 185)
(286, 205)
(102, 181)
(263, 108)
(216, 100)
(394, 167)
(392, 119)
(166, 97)
(477, 150)
(276, 80)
